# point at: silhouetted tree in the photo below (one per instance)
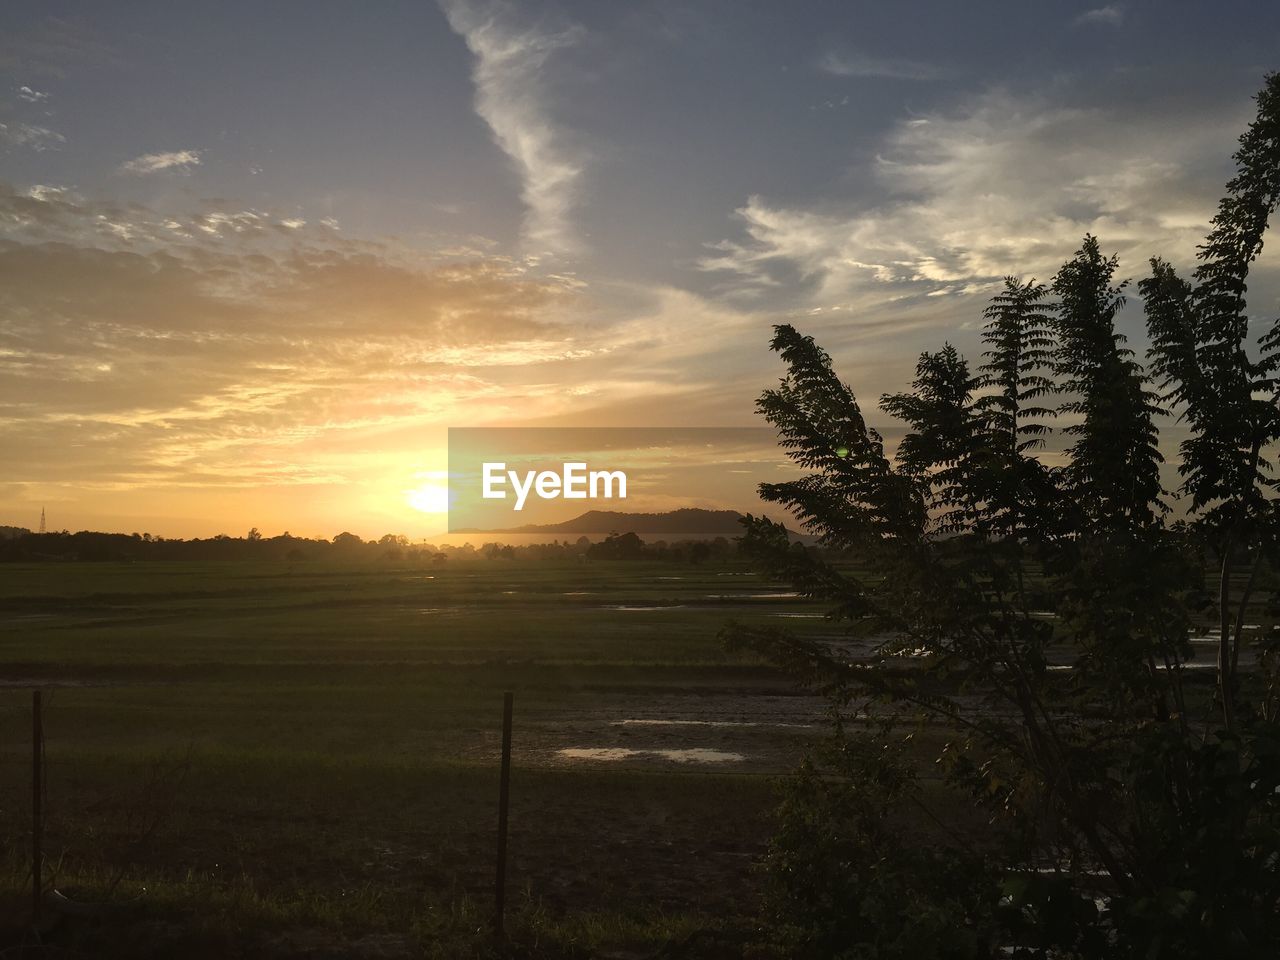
(1019, 338)
(1114, 463)
(617, 546)
(1039, 618)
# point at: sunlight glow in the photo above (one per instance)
(429, 498)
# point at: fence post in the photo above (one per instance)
(37, 818)
(504, 796)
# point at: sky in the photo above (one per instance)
(257, 258)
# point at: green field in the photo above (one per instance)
(294, 759)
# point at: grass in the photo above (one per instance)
(300, 758)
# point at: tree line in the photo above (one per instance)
(23, 546)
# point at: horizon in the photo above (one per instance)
(441, 537)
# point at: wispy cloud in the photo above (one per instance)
(29, 136)
(31, 96)
(211, 348)
(510, 62)
(1007, 184)
(1112, 14)
(147, 352)
(155, 162)
(861, 65)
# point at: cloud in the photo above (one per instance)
(155, 162)
(31, 96)
(30, 137)
(509, 74)
(861, 65)
(1006, 184)
(1112, 14)
(224, 348)
(221, 358)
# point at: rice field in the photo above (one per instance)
(304, 758)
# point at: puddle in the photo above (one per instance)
(1066, 667)
(633, 608)
(789, 595)
(694, 755)
(597, 753)
(800, 616)
(710, 723)
(1212, 634)
(578, 593)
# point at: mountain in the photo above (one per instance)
(688, 520)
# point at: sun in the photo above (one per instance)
(429, 498)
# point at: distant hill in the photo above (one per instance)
(687, 520)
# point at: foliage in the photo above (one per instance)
(1035, 614)
(851, 879)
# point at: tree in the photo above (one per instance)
(946, 450)
(1229, 402)
(1114, 461)
(617, 546)
(1032, 621)
(1019, 338)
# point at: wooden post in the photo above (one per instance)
(504, 796)
(37, 818)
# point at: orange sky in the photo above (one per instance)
(253, 266)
